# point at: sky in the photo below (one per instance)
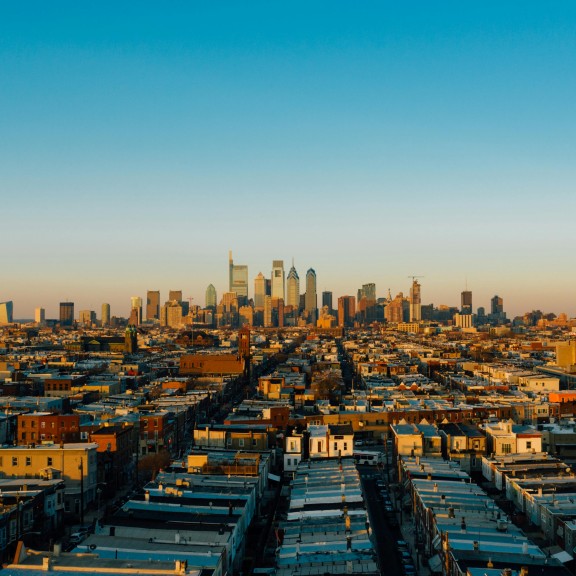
(372, 141)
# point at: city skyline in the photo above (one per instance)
(369, 142)
(429, 288)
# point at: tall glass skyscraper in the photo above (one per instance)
(211, 297)
(311, 300)
(278, 277)
(238, 278)
(293, 288)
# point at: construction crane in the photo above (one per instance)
(414, 277)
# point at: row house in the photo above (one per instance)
(38, 427)
(236, 437)
(76, 464)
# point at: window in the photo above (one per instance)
(14, 460)
(23, 423)
(289, 461)
(345, 445)
(33, 424)
(506, 449)
(528, 444)
(42, 424)
(28, 461)
(33, 435)
(335, 445)
(23, 435)
(49, 461)
(241, 442)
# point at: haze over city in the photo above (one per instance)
(371, 142)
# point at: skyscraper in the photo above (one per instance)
(415, 302)
(105, 314)
(278, 277)
(153, 305)
(238, 282)
(327, 299)
(466, 302)
(496, 305)
(39, 316)
(259, 290)
(66, 313)
(293, 288)
(175, 296)
(346, 310)
(211, 297)
(136, 305)
(311, 300)
(6, 312)
(367, 291)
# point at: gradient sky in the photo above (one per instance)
(369, 140)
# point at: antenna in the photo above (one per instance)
(414, 277)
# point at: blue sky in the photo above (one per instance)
(371, 141)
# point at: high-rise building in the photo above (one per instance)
(153, 305)
(105, 314)
(39, 315)
(238, 282)
(87, 317)
(327, 299)
(496, 305)
(394, 311)
(466, 302)
(415, 302)
(175, 296)
(367, 291)
(6, 312)
(66, 313)
(311, 300)
(278, 277)
(267, 311)
(346, 310)
(211, 297)
(293, 288)
(136, 305)
(259, 290)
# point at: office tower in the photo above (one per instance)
(267, 311)
(496, 305)
(466, 302)
(6, 312)
(259, 290)
(175, 295)
(87, 317)
(39, 315)
(367, 291)
(346, 310)
(394, 311)
(293, 288)
(153, 305)
(327, 299)
(311, 300)
(211, 297)
(136, 305)
(171, 314)
(66, 313)
(105, 314)
(415, 302)
(238, 281)
(277, 279)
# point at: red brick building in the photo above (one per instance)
(39, 427)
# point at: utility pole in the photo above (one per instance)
(81, 468)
